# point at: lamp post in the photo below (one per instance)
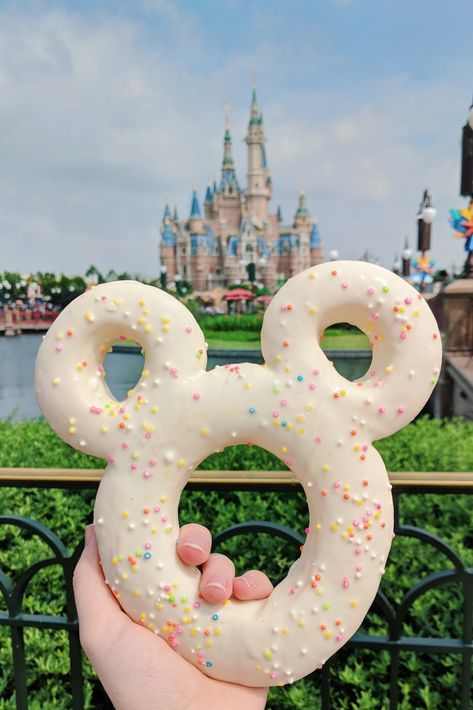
(466, 183)
(164, 276)
(178, 280)
(396, 265)
(425, 218)
(406, 259)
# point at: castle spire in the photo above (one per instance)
(195, 205)
(258, 190)
(196, 222)
(167, 233)
(229, 183)
(208, 194)
(302, 215)
(255, 114)
(167, 211)
(228, 163)
(302, 210)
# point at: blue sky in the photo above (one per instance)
(106, 108)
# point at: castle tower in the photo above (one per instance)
(208, 201)
(198, 256)
(168, 244)
(196, 223)
(229, 183)
(227, 201)
(302, 217)
(258, 189)
(302, 226)
(317, 255)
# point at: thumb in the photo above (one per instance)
(98, 611)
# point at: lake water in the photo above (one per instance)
(17, 362)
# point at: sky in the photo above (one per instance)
(107, 108)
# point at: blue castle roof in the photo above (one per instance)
(264, 160)
(208, 195)
(167, 212)
(229, 178)
(314, 237)
(168, 237)
(232, 245)
(195, 206)
(286, 242)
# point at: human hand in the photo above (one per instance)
(138, 669)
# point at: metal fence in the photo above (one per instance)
(394, 642)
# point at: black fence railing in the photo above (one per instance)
(395, 641)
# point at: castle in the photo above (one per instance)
(236, 238)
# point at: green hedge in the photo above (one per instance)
(252, 323)
(361, 679)
(425, 445)
(248, 322)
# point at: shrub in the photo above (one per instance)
(218, 323)
(361, 678)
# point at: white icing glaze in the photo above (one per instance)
(296, 406)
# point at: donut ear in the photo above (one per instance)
(404, 339)
(70, 379)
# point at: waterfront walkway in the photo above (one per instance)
(16, 321)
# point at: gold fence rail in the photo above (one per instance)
(227, 479)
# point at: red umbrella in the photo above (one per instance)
(264, 298)
(238, 294)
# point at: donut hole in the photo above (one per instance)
(256, 529)
(348, 348)
(264, 551)
(123, 365)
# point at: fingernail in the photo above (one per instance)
(193, 546)
(216, 583)
(247, 582)
(88, 534)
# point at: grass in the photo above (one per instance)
(333, 339)
(219, 343)
(345, 340)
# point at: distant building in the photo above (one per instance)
(235, 236)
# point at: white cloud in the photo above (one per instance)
(364, 168)
(98, 124)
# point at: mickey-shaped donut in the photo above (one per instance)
(297, 406)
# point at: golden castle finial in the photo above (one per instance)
(226, 115)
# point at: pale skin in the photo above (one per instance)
(138, 669)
